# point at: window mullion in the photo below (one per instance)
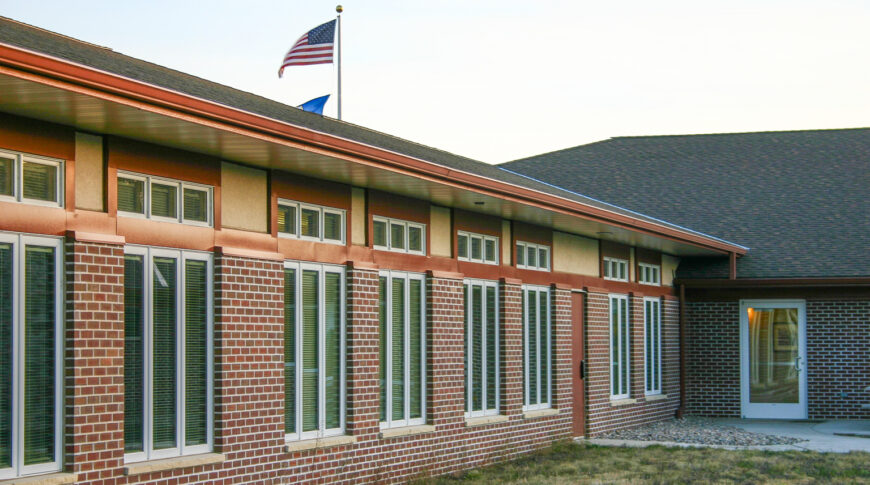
(181, 387)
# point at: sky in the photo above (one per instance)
(502, 80)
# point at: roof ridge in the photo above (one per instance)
(51, 32)
(731, 133)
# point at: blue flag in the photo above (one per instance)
(315, 105)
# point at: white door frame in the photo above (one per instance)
(773, 410)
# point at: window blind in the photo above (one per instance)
(544, 333)
(40, 181)
(289, 350)
(131, 195)
(382, 332)
(7, 171)
(310, 351)
(332, 357)
(6, 284)
(134, 353)
(415, 238)
(196, 363)
(398, 350)
(491, 349)
(287, 219)
(195, 205)
(397, 236)
(477, 344)
(416, 358)
(614, 348)
(623, 368)
(332, 226)
(379, 229)
(164, 199)
(39, 354)
(310, 222)
(164, 364)
(532, 364)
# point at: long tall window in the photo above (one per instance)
(619, 348)
(402, 349)
(167, 353)
(314, 355)
(481, 348)
(31, 325)
(537, 346)
(653, 352)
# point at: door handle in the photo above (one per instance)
(797, 364)
(582, 369)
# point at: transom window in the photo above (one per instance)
(533, 256)
(163, 199)
(311, 222)
(314, 350)
(477, 248)
(537, 346)
(653, 343)
(649, 274)
(31, 179)
(402, 349)
(481, 348)
(619, 347)
(168, 370)
(615, 269)
(398, 235)
(31, 355)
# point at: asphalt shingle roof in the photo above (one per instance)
(800, 200)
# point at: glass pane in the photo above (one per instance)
(164, 199)
(131, 195)
(164, 337)
(39, 354)
(489, 253)
(476, 248)
(648, 330)
(543, 308)
(398, 350)
(195, 353)
(622, 268)
(491, 348)
(332, 310)
(332, 226)
(195, 205)
(462, 246)
(310, 347)
(614, 347)
(476, 346)
(468, 338)
(6, 283)
(310, 222)
(382, 333)
(521, 255)
(7, 176)
(415, 238)
(532, 257)
(380, 233)
(532, 316)
(543, 258)
(773, 350)
(134, 353)
(40, 181)
(397, 236)
(289, 351)
(623, 361)
(607, 272)
(287, 219)
(415, 335)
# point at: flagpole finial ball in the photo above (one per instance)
(339, 8)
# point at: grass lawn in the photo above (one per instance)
(579, 463)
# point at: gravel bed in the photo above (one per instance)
(697, 430)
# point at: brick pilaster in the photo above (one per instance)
(511, 298)
(445, 350)
(363, 391)
(637, 337)
(563, 397)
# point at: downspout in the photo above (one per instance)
(681, 410)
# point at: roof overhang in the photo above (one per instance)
(59, 91)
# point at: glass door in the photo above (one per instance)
(773, 359)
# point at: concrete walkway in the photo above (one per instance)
(826, 436)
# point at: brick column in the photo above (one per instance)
(94, 357)
(363, 392)
(511, 312)
(445, 342)
(563, 397)
(671, 348)
(249, 365)
(637, 336)
(597, 359)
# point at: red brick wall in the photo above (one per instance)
(713, 359)
(601, 415)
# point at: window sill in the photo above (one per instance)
(407, 431)
(622, 402)
(655, 397)
(317, 443)
(540, 413)
(50, 479)
(485, 420)
(173, 463)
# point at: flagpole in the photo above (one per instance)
(339, 9)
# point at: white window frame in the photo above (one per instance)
(544, 404)
(470, 345)
(390, 422)
(652, 343)
(483, 240)
(18, 178)
(389, 240)
(19, 242)
(538, 248)
(322, 211)
(148, 254)
(321, 431)
(617, 366)
(655, 271)
(615, 264)
(179, 203)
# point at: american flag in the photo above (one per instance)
(315, 47)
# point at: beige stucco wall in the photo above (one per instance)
(669, 266)
(440, 237)
(575, 254)
(357, 216)
(506, 248)
(89, 172)
(244, 198)
(632, 263)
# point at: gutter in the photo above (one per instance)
(774, 282)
